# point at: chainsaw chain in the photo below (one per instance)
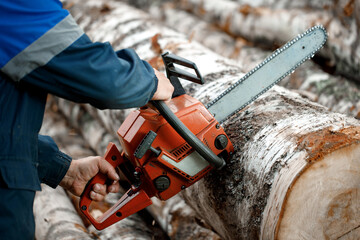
(269, 58)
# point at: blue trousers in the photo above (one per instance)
(16, 213)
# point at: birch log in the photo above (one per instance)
(56, 217)
(268, 26)
(285, 4)
(284, 144)
(335, 92)
(180, 221)
(279, 139)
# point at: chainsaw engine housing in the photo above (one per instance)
(170, 164)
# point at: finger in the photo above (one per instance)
(108, 170)
(114, 188)
(164, 89)
(100, 189)
(96, 197)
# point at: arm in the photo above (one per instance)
(53, 164)
(65, 62)
(87, 72)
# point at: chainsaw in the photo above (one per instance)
(168, 150)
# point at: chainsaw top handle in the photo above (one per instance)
(173, 73)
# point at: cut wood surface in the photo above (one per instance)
(283, 144)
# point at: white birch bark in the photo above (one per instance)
(180, 221)
(265, 25)
(335, 92)
(56, 217)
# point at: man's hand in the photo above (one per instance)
(82, 170)
(165, 89)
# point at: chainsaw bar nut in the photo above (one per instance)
(162, 183)
(221, 142)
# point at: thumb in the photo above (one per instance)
(107, 169)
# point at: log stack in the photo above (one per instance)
(295, 172)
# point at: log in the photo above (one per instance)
(285, 4)
(68, 139)
(267, 26)
(56, 217)
(283, 143)
(132, 227)
(278, 139)
(335, 92)
(180, 220)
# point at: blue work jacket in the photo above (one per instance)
(43, 50)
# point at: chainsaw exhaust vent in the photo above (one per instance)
(180, 151)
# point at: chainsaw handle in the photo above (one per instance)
(173, 73)
(112, 156)
(131, 202)
(188, 136)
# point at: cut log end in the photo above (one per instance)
(324, 202)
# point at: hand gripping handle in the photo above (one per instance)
(130, 203)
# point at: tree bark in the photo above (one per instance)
(180, 220)
(274, 26)
(281, 140)
(335, 92)
(56, 217)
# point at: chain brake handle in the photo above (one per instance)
(174, 73)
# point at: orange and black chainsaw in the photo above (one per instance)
(168, 150)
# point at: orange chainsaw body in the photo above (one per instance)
(176, 165)
(174, 149)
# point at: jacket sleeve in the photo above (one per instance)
(88, 72)
(53, 164)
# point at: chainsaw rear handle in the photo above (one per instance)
(130, 203)
(173, 73)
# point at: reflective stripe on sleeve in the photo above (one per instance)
(40, 52)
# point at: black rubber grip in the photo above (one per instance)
(174, 73)
(188, 136)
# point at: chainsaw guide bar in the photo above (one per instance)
(273, 69)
